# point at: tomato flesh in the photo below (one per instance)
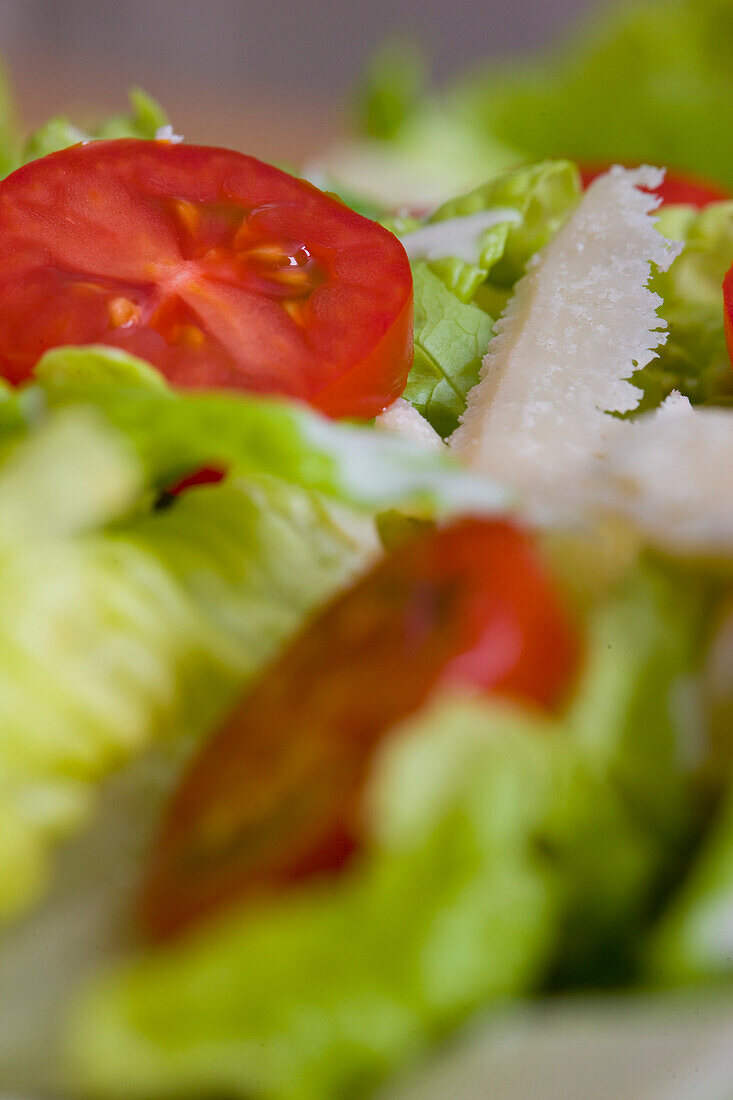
(220, 270)
(674, 188)
(275, 796)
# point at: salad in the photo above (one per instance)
(366, 560)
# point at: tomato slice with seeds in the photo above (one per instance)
(275, 796)
(220, 270)
(676, 187)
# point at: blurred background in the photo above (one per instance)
(269, 78)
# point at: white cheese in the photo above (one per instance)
(674, 404)
(404, 420)
(459, 237)
(576, 326)
(669, 475)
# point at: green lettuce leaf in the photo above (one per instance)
(121, 626)
(636, 718)
(174, 434)
(35, 502)
(693, 941)
(540, 197)
(694, 359)
(232, 549)
(635, 711)
(503, 851)
(139, 621)
(143, 121)
(455, 901)
(451, 337)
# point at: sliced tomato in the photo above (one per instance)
(728, 311)
(275, 796)
(675, 188)
(220, 270)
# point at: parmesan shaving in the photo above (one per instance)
(674, 404)
(403, 419)
(577, 325)
(669, 475)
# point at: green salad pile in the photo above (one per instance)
(509, 855)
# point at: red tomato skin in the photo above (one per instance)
(728, 311)
(207, 476)
(372, 383)
(676, 187)
(222, 271)
(275, 795)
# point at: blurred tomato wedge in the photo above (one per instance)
(676, 187)
(275, 796)
(220, 270)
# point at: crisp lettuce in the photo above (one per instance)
(104, 649)
(174, 434)
(144, 120)
(694, 939)
(36, 499)
(540, 197)
(232, 549)
(138, 621)
(694, 360)
(503, 850)
(636, 717)
(122, 625)
(451, 338)
(454, 902)
(635, 710)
